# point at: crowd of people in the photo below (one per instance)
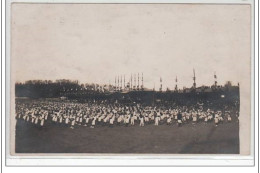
(98, 114)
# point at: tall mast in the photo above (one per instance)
(121, 83)
(138, 82)
(160, 84)
(115, 83)
(124, 81)
(134, 81)
(131, 82)
(118, 83)
(108, 85)
(215, 78)
(176, 85)
(142, 82)
(194, 79)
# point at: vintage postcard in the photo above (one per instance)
(120, 79)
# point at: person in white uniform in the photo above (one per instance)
(229, 118)
(93, 123)
(36, 120)
(42, 121)
(141, 117)
(194, 117)
(73, 122)
(206, 118)
(127, 118)
(157, 119)
(80, 119)
(169, 119)
(46, 115)
(216, 120)
(111, 122)
(60, 118)
(132, 120)
(67, 120)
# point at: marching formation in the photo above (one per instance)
(101, 114)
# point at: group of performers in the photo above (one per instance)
(93, 114)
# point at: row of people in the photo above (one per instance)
(91, 114)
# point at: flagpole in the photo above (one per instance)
(131, 83)
(134, 81)
(124, 81)
(215, 77)
(118, 83)
(115, 84)
(176, 86)
(194, 79)
(138, 82)
(142, 82)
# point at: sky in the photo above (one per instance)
(93, 43)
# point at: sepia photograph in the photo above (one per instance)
(136, 79)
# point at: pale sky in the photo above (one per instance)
(93, 43)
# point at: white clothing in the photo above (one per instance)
(141, 121)
(42, 122)
(156, 121)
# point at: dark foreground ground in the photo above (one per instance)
(200, 138)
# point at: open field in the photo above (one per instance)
(200, 138)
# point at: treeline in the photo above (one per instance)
(73, 89)
(50, 89)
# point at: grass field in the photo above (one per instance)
(189, 139)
